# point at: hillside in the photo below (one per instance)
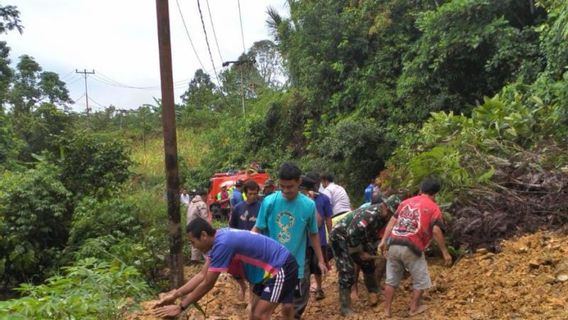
(527, 280)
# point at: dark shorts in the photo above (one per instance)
(279, 289)
(313, 259)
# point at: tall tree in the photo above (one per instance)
(201, 92)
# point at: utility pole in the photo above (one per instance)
(240, 63)
(85, 73)
(170, 144)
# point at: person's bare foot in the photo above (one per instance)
(354, 294)
(421, 308)
(388, 313)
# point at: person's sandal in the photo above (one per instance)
(319, 294)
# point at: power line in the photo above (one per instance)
(188, 36)
(98, 104)
(207, 41)
(241, 20)
(213, 28)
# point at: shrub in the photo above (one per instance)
(94, 165)
(34, 222)
(90, 289)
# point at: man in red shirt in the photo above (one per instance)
(416, 221)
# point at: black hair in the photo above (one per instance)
(289, 171)
(430, 185)
(250, 185)
(308, 183)
(197, 226)
(328, 176)
(314, 176)
(376, 197)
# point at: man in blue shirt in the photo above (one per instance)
(244, 214)
(237, 196)
(290, 218)
(310, 185)
(369, 192)
(265, 263)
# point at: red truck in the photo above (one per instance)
(230, 179)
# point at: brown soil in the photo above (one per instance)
(527, 280)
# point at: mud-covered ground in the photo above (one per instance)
(527, 280)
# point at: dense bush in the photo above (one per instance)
(34, 219)
(126, 228)
(93, 164)
(90, 289)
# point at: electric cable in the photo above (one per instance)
(214, 33)
(188, 36)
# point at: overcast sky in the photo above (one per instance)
(118, 40)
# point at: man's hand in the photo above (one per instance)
(447, 259)
(323, 267)
(383, 248)
(168, 311)
(166, 298)
(364, 256)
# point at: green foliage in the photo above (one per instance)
(126, 227)
(34, 219)
(90, 289)
(117, 217)
(93, 165)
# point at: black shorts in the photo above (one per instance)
(312, 259)
(279, 289)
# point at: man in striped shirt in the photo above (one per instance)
(265, 263)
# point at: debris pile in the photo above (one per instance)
(528, 279)
(527, 192)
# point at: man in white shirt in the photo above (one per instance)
(340, 202)
(184, 197)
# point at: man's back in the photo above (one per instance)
(415, 219)
(339, 199)
(232, 247)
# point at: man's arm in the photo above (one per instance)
(388, 230)
(234, 218)
(197, 293)
(439, 237)
(314, 238)
(183, 290)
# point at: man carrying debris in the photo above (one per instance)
(353, 241)
(408, 233)
(266, 264)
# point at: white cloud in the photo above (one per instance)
(118, 39)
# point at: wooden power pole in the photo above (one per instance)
(85, 73)
(170, 144)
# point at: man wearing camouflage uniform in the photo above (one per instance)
(354, 241)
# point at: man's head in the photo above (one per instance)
(391, 203)
(307, 184)
(316, 178)
(251, 189)
(224, 188)
(326, 179)
(200, 234)
(430, 186)
(289, 180)
(269, 186)
(239, 184)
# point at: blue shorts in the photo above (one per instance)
(279, 289)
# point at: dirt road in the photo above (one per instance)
(527, 280)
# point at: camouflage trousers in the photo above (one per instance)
(346, 262)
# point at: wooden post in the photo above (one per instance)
(170, 144)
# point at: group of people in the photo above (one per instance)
(277, 242)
